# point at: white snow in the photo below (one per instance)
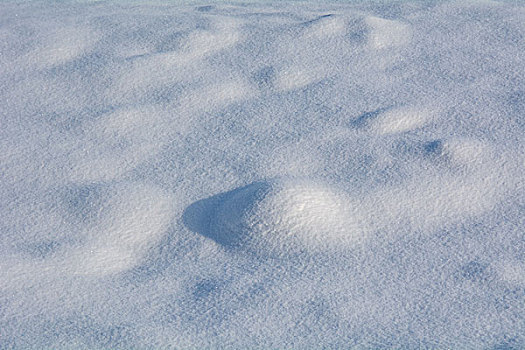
(262, 175)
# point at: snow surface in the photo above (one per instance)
(262, 175)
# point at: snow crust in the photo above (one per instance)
(262, 175)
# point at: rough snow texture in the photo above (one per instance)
(287, 175)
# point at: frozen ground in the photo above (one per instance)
(287, 175)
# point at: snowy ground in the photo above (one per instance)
(287, 175)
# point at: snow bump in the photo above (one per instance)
(285, 217)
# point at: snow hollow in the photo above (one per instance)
(288, 175)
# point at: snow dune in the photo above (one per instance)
(262, 175)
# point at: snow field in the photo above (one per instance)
(286, 175)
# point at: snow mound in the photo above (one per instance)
(101, 230)
(287, 216)
(400, 120)
(135, 217)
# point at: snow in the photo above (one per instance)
(285, 217)
(262, 174)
